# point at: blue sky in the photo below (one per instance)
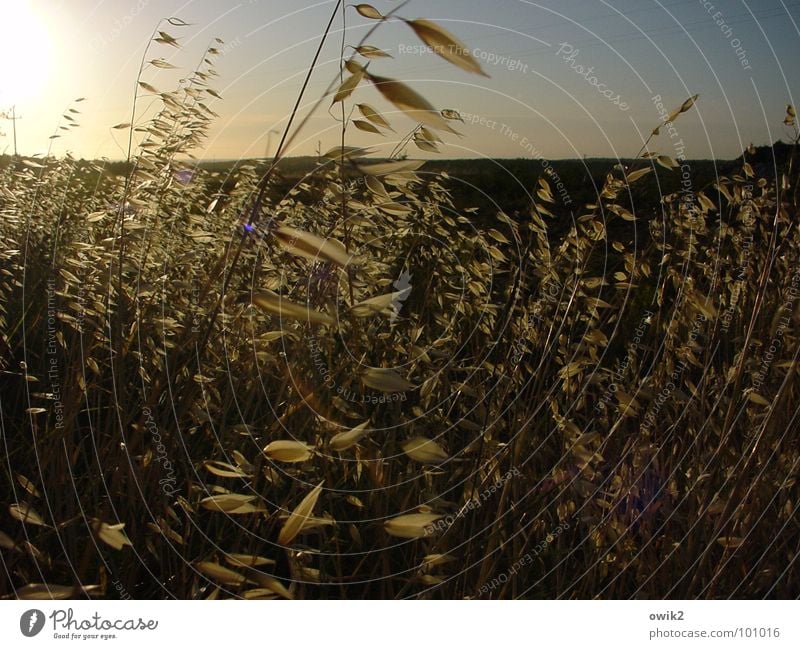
(541, 97)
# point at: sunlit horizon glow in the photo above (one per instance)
(569, 78)
(26, 53)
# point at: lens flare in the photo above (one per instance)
(25, 51)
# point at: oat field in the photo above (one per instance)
(214, 387)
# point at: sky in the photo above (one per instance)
(567, 78)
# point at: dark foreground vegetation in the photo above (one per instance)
(217, 385)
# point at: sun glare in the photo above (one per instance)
(26, 53)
